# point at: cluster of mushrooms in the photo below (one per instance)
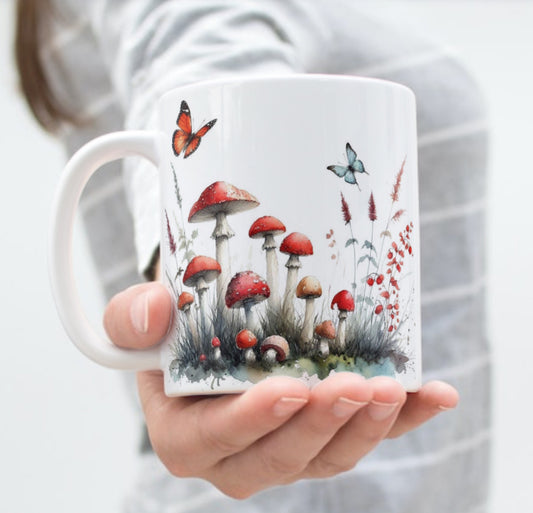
(246, 289)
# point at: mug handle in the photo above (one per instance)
(79, 169)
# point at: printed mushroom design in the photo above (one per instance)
(274, 348)
(199, 273)
(309, 289)
(246, 340)
(245, 290)
(344, 302)
(296, 245)
(217, 201)
(268, 227)
(185, 301)
(325, 332)
(215, 343)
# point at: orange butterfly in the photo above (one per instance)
(184, 139)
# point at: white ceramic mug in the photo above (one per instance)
(289, 232)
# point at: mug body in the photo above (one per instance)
(289, 231)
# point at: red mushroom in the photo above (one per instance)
(201, 271)
(274, 348)
(344, 302)
(309, 289)
(295, 245)
(325, 332)
(267, 227)
(185, 301)
(245, 290)
(215, 343)
(217, 201)
(246, 340)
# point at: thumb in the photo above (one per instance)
(139, 316)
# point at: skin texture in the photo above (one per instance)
(277, 432)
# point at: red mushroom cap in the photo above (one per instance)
(296, 244)
(344, 301)
(246, 286)
(215, 342)
(326, 330)
(279, 344)
(266, 225)
(186, 298)
(221, 197)
(201, 267)
(245, 339)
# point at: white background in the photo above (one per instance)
(67, 433)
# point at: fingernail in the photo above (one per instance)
(380, 411)
(139, 313)
(344, 407)
(444, 408)
(287, 405)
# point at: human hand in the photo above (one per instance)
(277, 432)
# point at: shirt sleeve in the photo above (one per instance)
(152, 46)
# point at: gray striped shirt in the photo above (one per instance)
(111, 59)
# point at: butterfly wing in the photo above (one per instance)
(350, 154)
(184, 118)
(179, 141)
(350, 177)
(196, 138)
(181, 137)
(359, 167)
(340, 171)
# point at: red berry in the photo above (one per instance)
(379, 279)
(385, 294)
(390, 328)
(370, 281)
(399, 268)
(389, 306)
(379, 309)
(389, 255)
(396, 306)
(203, 358)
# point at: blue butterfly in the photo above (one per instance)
(354, 166)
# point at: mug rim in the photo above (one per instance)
(293, 77)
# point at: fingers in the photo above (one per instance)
(191, 435)
(363, 432)
(433, 398)
(139, 317)
(285, 453)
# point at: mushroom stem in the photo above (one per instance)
(249, 356)
(251, 321)
(341, 332)
(307, 331)
(201, 289)
(293, 264)
(269, 358)
(192, 326)
(323, 348)
(272, 270)
(222, 233)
